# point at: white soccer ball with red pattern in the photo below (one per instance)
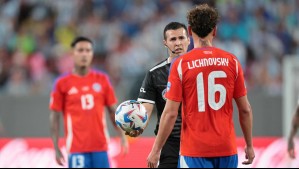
(131, 115)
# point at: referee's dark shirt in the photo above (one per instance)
(153, 91)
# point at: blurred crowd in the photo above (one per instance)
(35, 39)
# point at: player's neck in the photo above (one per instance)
(81, 71)
(202, 42)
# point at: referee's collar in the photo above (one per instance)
(168, 60)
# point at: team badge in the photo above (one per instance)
(168, 86)
(97, 87)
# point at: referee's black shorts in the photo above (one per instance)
(170, 154)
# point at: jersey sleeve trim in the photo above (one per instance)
(241, 95)
(180, 71)
(237, 69)
(146, 101)
(111, 104)
(55, 110)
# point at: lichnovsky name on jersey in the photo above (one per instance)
(208, 62)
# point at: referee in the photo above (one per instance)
(154, 87)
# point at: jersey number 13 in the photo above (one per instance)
(87, 102)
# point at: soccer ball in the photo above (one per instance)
(131, 115)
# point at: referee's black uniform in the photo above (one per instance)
(153, 91)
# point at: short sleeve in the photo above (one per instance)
(56, 98)
(110, 98)
(147, 92)
(240, 88)
(174, 85)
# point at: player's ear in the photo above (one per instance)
(189, 30)
(73, 51)
(164, 43)
(215, 31)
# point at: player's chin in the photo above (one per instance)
(83, 65)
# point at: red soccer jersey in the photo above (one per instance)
(82, 101)
(206, 80)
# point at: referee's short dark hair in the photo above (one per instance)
(80, 39)
(174, 26)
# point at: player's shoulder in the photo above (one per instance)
(62, 78)
(101, 76)
(99, 73)
(159, 66)
(225, 53)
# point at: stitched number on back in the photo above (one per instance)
(212, 89)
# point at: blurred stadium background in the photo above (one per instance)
(35, 38)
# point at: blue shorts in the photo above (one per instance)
(89, 160)
(218, 162)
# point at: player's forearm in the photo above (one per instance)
(111, 111)
(54, 122)
(112, 119)
(246, 124)
(120, 132)
(167, 122)
(295, 125)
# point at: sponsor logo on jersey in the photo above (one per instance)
(168, 86)
(73, 91)
(164, 93)
(142, 90)
(97, 87)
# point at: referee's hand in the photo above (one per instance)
(134, 133)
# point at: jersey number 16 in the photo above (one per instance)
(212, 89)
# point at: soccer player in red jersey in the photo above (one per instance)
(81, 96)
(205, 80)
(295, 125)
